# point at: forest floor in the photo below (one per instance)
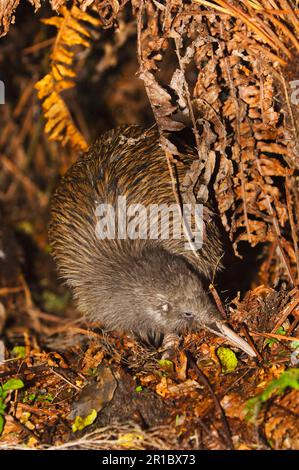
(72, 386)
(65, 383)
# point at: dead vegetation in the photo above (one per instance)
(226, 70)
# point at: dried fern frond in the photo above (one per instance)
(241, 108)
(259, 17)
(71, 32)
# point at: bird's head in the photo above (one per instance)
(167, 295)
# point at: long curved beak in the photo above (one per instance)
(221, 329)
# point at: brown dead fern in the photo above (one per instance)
(254, 13)
(238, 102)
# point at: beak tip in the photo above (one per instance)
(226, 332)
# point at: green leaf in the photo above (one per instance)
(29, 397)
(3, 394)
(48, 397)
(138, 389)
(270, 341)
(13, 384)
(290, 378)
(228, 359)
(295, 344)
(55, 303)
(81, 423)
(166, 365)
(19, 351)
(2, 421)
(2, 407)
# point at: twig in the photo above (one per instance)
(293, 325)
(75, 329)
(217, 403)
(38, 46)
(292, 223)
(238, 138)
(233, 384)
(65, 379)
(291, 12)
(218, 301)
(286, 312)
(277, 235)
(50, 318)
(289, 106)
(10, 290)
(257, 48)
(29, 305)
(30, 187)
(275, 336)
(251, 343)
(23, 99)
(34, 409)
(287, 410)
(187, 95)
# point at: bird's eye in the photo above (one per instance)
(165, 307)
(188, 315)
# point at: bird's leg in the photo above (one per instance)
(170, 343)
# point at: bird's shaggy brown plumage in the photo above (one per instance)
(150, 287)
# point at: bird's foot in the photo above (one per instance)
(169, 346)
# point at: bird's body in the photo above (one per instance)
(152, 287)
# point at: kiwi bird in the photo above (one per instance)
(153, 288)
